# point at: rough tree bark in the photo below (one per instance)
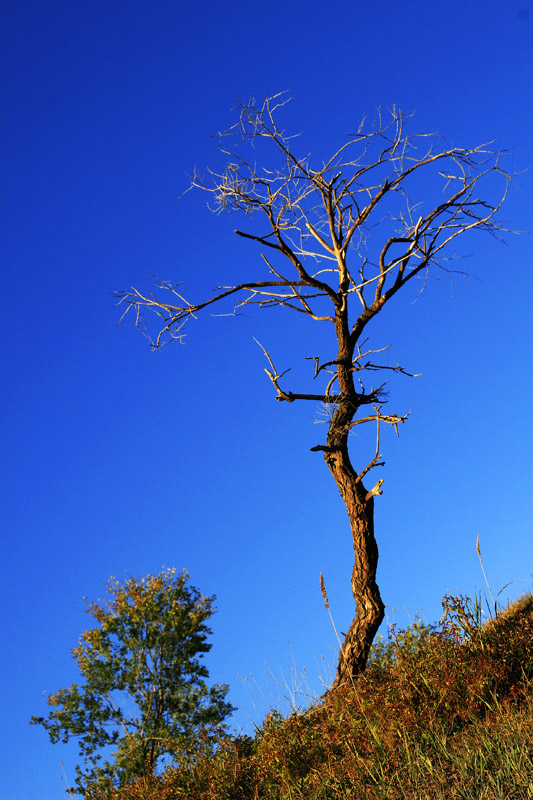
(354, 229)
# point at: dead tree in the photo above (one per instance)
(339, 239)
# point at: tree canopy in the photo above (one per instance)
(144, 694)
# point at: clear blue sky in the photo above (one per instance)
(120, 461)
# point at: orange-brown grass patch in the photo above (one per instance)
(441, 712)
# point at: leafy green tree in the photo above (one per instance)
(144, 695)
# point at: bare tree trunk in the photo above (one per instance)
(369, 605)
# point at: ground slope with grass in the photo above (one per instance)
(441, 712)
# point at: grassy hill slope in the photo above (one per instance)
(441, 712)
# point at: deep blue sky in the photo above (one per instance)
(120, 461)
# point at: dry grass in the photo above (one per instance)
(442, 712)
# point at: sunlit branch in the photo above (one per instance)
(375, 461)
(391, 419)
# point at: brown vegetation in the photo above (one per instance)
(441, 712)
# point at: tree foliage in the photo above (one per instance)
(144, 694)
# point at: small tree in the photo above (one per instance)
(144, 693)
(340, 238)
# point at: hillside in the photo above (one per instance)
(442, 712)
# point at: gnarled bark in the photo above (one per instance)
(369, 605)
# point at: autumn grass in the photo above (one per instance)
(442, 712)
